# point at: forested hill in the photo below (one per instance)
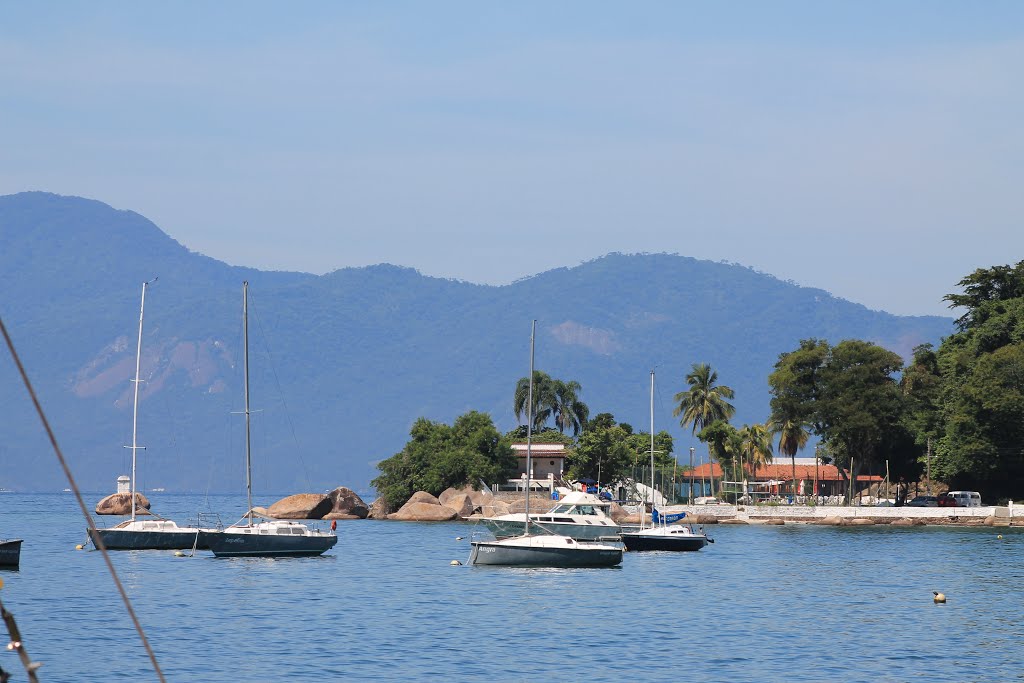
(342, 364)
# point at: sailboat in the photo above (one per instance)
(270, 537)
(661, 535)
(145, 534)
(542, 550)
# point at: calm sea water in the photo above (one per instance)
(761, 604)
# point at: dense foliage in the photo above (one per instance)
(849, 395)
(608, 451)
(978, 412)
(439, 456)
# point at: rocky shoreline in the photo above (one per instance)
(466, 504)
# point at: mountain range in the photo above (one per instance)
(342, 364)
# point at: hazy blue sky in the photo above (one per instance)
(873, 149)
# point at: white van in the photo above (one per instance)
(966, 499)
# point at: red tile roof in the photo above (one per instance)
(781, 470)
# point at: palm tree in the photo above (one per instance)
(543, 398)
(570, 411)
(704, 402)
(756, 446)
(793, 436)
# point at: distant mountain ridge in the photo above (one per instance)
(343, 363)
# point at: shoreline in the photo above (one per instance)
(990, 515)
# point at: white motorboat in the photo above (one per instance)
(578, 515)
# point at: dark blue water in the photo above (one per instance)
(761, 604)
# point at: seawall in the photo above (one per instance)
(997, 515)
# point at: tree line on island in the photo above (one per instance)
(957, 410)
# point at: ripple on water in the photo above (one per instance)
(792, 603)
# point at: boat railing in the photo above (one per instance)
(207, 520)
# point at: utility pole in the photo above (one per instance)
(691, 475)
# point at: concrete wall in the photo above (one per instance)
(822, 511)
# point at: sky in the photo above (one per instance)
(871, 149)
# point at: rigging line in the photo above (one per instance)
(81, 503)
(280, 392)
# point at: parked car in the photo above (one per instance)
(966, 499)
(923, 502)
(944, 500)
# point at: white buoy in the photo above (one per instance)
(178, 553)
(459, 538)
(455, 563)
(939, 598)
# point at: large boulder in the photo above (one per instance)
(831, 521)
(461, 503)
(301, 506)
(477, 498)
(121, 504)
(481, 498)
(495, 508)
(537, 504)
(617, 513)
(859, 521)
(379, 509)
(903, 521)
(346, 504)
(423, 512)
(423, 497)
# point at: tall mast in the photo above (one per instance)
(135, 409)
(529, 430)
(245, 345)
(652, 455)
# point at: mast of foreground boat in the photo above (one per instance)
(135, 409)
(642, 517)
(245, 365)
(529, 430)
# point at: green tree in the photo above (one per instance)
(921, 385)
(795, 384)
(552, 398)
(981, 402)
(848, 394)
(543, 398)
(793, 436)
(756, 446)
(724, 444)
(570, 412)
(704, 402)
(602, 452)
(439, 456)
